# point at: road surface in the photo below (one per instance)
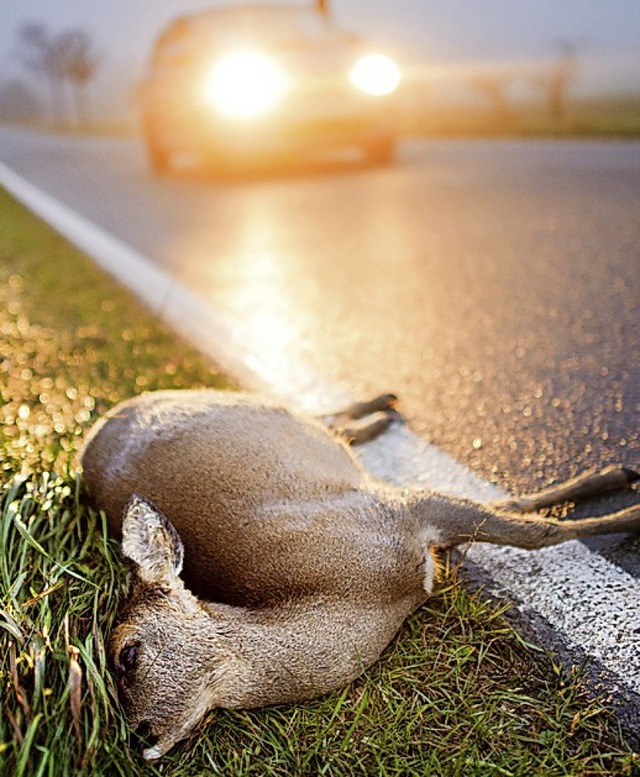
(493, 285)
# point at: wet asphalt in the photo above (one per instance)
(493, 285)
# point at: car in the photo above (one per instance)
(248, 82)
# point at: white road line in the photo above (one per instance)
(582, 594)
(590, 603)
(191, 316)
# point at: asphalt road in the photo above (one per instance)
(493, 285)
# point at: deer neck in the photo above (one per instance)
(290, 652)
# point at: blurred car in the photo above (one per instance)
(250, 81)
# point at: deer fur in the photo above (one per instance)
(267, 567)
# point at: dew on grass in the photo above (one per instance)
(56, 380)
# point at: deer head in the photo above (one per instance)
(169, 655)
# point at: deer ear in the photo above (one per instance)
(152, 543)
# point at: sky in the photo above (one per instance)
(437, 33)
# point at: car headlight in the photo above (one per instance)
(245, 84)
(375, 74)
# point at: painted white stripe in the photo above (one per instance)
(146, 280)
(592, 602)
(182, 310)
(589, 602)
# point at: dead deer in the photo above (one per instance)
(298, 568)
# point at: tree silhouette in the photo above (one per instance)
(17, 102)
(79, 63)
(556, 82)
(65, 59)
(494, 88)
(36, 50)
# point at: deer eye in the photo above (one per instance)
(125, 666)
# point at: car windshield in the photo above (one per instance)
(274, 26)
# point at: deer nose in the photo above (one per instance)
(144, 735)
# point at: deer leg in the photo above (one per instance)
(357, 410)
(365, 429)
(581, 487)
(363, 421)
(532, 532)
(459, 521)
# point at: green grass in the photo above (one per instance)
(458, 693)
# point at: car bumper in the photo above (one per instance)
(298, 126)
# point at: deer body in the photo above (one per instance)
(299, 569)
(268, 509)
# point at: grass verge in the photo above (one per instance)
(458, 693)
(597, 118)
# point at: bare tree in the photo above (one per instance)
(36, 50)
(494, 88)
(18, 103)
(557, 81)
(79, 63)
(66, 59)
